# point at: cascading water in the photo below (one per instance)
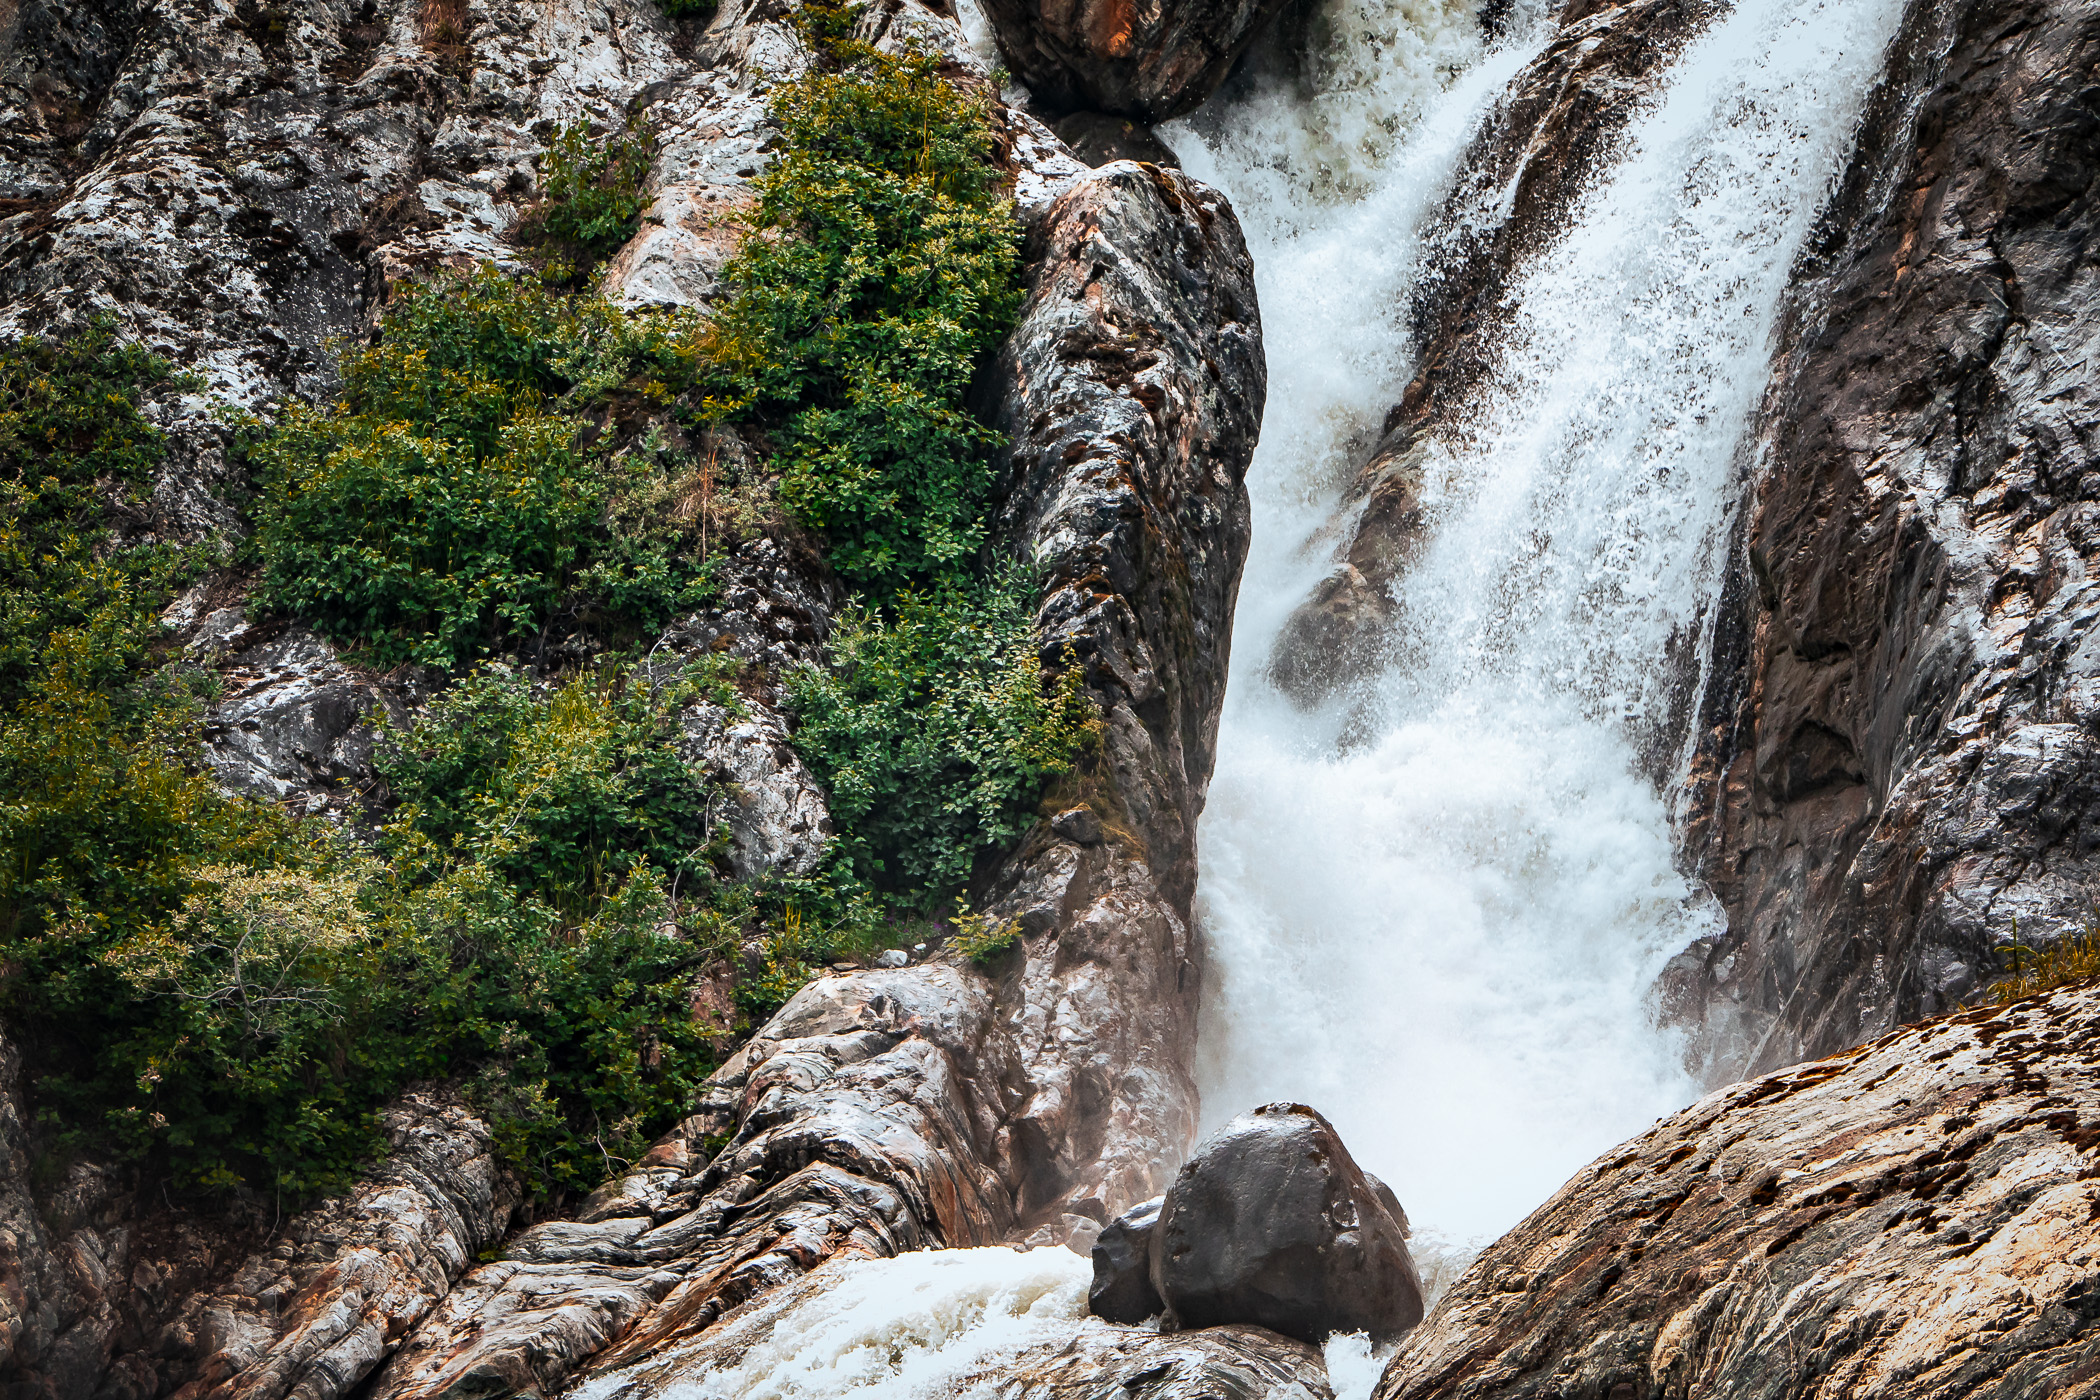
(1441, 933)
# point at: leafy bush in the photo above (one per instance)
(590, 198)
(882, 265)
(933, 733)
(565, 794)
(70, 430)
(448, 506)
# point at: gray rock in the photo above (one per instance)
(1897, 774)
(1149, 62)
(1912, 1220)
(1122, 1289)
(1271, 1222)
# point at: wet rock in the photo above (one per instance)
(1122, 1289)
(1100, 1362)
(1150, 62)
(1896, 773)
(1271, 1222)
(1100, 139)
(1911, 1220)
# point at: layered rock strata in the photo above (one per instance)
(1898, 767)
(1911, 1220)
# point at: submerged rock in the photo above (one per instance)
(1912, 1220)
(1271, 1222)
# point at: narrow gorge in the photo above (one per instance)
(980, 698)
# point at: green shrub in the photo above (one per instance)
(448, 506)
(71, 431)
(565, 791)
(933, 733)
(590, 196)
(881, 267)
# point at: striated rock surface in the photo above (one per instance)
(316, 1311)
(1912, 1220)
(1148, 61)
(1898, 764)
(101, 1297)
(1270, 1222)
(1100, 1362)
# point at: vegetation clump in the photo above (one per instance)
(591, 197)
(2070, 960)
(453, 503)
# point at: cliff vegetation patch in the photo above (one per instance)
(225, 993)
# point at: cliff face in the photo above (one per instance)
(236, 187)
(1899, 763)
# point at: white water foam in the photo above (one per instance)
(925, 1326)
(1442, 934)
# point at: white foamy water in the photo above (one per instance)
(1442, 934)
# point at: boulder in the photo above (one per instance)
(1151, 62)
(1122, 1290)
(1271, 1222)
(1911, 1220)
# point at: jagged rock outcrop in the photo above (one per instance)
(1911, 1220)
(249, 183)
(1270, 1222)
(1546, 142)
(1150, 61)
(937, 1105)
(1899, 766)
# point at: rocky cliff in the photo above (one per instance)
(237, 186)
(1898, 762)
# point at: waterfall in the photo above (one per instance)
(1442, 931)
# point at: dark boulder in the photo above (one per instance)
(1151, 62)
(1122, 1290)
(1271, 1222)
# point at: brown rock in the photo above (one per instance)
(1912, 1220)
(1150, 62)
(1100, 1362)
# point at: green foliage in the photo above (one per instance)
(882, 266)
(690, 9)
(591, 199)
(448, 506)
(565, 794)
(934, 734)
(981, 939)
(72, 444)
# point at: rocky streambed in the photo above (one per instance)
(1877, 727)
